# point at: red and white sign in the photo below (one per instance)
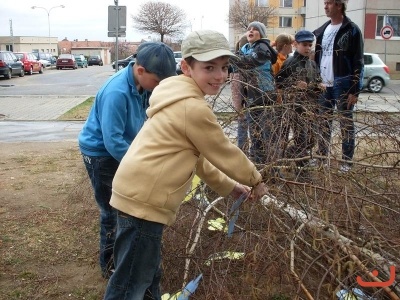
(387, 32)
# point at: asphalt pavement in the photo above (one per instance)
(33, 118)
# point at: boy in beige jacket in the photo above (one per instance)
(181, 138)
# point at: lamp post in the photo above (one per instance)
(48, 19)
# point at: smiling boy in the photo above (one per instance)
(181, 138)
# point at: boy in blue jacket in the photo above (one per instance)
(117, 115)
(255, 67)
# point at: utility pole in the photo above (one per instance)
(12, 36)
(116, 35)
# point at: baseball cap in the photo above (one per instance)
(304, 36)
(157, 58)
(205, 45)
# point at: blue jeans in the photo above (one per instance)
(137, 258)
(242, 132)
(101, 170)
(263, 135)
(337, 96)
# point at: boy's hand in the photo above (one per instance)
(258, 191)
(239, 190)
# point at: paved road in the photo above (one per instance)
(20, 114)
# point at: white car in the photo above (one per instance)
(376, 73)
(44, 58)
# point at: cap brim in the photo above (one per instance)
(210, 55)
(306, 40)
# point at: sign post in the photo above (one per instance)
(386, 34)
(116, 25)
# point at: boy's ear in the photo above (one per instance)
(140, 70)
(185, 67)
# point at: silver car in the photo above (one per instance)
(376, 73)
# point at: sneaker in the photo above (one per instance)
(344, 168)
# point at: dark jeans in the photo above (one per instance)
(337, 96)
(137, 257)
(101, 170)
(263, 134)
(302, 120)
(243, 133)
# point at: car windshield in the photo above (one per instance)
(19, 55)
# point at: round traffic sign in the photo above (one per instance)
(387, 32)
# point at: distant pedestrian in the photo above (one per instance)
(339, 53)
(117, 115)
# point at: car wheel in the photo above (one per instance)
(375, 85)
(120, 67)
(22, 72)
(30, 70)
(8, 75)
(41, 70)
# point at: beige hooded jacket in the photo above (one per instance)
(181, 138)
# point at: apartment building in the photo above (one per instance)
(289, 16)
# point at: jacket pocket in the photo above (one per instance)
(175, 198)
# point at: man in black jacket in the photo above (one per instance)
(339, 54)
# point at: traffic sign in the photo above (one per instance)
(387, 32)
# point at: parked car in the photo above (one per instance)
(30, 62)
(81, 60)
(376, 73)
(95, 60)
(178, 58)
(66, 61)
(44, 58)
(10, 65)
(122, 63)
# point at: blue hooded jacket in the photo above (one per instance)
(117, 115)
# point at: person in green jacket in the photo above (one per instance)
(180, 139)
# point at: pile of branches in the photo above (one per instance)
(334, 236)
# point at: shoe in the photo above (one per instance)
(344, 168)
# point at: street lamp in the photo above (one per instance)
(48, 19)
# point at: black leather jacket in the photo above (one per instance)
(348, 49)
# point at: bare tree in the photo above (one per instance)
(242, 12)
(161, 18)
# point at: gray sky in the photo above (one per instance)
(83, 19)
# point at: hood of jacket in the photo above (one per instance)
(163, 97)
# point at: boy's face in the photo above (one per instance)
(304, 48)
(253, 34)
(148, 81)
(210, 76)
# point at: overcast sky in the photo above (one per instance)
(88, 19)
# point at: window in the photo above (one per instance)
(286, 3)
(393, 21)
(9, 48)
(262, 3)
(285, 21)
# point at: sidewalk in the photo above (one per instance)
(37, 108)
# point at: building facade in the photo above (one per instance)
(288, 16)
(29, 44)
